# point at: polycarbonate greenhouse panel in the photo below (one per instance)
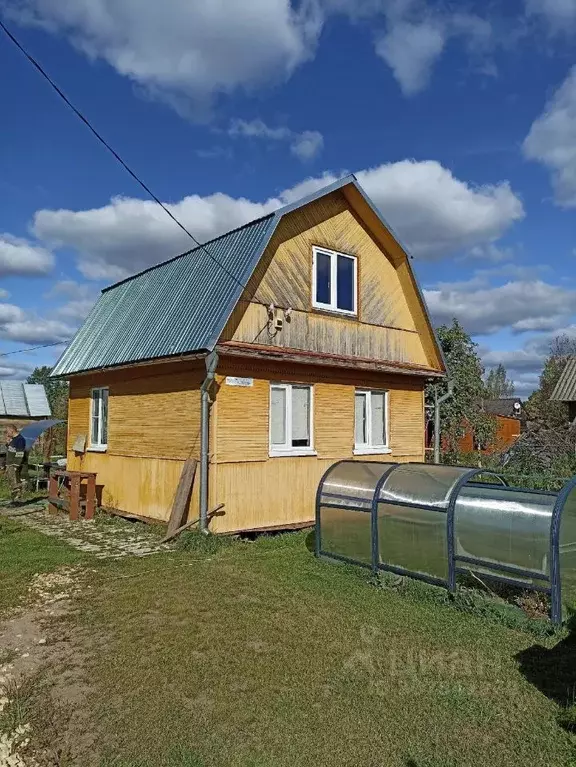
(567, 547)
(504, 526)
(436, 522)
(346, 533)
(422, 484)
(413, 539)
(353, 483)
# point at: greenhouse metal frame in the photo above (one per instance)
(515, 525)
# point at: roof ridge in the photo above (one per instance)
(187, 252)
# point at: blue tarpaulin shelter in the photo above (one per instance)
(33, 431)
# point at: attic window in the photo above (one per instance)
(334, 278)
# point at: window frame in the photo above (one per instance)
(279, 451)
(97, 445)
(369, 448)
(332, 306)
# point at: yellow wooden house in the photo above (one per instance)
(268, 353)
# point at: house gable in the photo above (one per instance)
(391, 323)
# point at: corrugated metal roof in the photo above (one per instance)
(18, 399)
(176, 307)
(37, 400)
(503, 406)
(14, 398)
(565, 390)
(181, 305)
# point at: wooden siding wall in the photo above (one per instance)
(385, 328)
(262, 491)
(153, 425)
(151, 433)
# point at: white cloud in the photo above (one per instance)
(130, 234)
(410, 50)
(519, 306)
(416, 36)
(4, 293)
(21, 257)
(10, 313)
(37, 330)
(305, 145)
(258, 129)
(7, 372)
(181, 50)
(435, 213)
(81, 297)
(489, 252)
(11, 368)
(552, 141)
(558, 13)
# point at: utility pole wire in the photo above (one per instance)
(103, 141)
(31, 348)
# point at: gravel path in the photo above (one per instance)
(103, 541)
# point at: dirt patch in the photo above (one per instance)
(44, 690)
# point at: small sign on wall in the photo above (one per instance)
(79, 445)
(235, 381)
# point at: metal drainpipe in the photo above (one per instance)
(211, 362)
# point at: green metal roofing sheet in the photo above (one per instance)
(177, 307)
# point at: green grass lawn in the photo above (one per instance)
(258, 655)
(23, 554)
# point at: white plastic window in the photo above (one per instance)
(334, 281)
(291, 419)
(371, 422)
(99, 419)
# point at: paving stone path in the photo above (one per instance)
(103, 541)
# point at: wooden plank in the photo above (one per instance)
(182, 497)
(74, 496)
(181, 529)
(90, 497)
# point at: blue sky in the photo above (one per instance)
(458, 118)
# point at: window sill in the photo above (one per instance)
(295, 452)
(372, 451)
(353, 314)
(97, 448)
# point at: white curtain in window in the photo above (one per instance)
(104, 417)
(360, 436)
(95, 434)
(278, 416)
(300, 414)
(378, 418)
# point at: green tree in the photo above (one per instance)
(539, 407)
(56, 390)
(498, 384)
(465, 406)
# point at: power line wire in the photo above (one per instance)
(103, 141)
(31, 348)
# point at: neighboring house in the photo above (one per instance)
(21, 403)
(320, 345)
(565, 390)
(507, 413)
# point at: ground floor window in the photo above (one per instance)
(99, 419)
(370, 421)
(291, 419)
